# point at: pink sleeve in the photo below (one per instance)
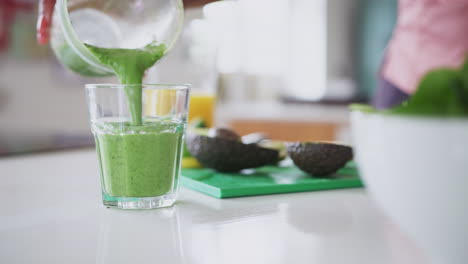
(449, 1)
(429, 34)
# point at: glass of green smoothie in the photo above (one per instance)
(139, 160)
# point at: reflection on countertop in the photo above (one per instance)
(54, 215)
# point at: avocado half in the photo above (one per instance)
(227, 155)
(319, 158)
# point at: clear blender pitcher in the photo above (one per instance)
(128, 24)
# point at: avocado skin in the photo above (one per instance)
(319, 159)
(227, 155)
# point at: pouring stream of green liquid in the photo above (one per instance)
(130, 65)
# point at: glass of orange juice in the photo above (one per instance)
(202, 107)
(193, 61)
(203, 75)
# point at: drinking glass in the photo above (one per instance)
(139, 164)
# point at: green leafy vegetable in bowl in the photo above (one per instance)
(442, 92)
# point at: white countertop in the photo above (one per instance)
(51, 213)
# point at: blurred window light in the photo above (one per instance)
(284, 38)
(224, 18)
(306, 73)
(264, 29)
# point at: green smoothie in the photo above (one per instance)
(130, 66)
(139, 161)
(139, 158)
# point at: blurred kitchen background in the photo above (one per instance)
(285, 67)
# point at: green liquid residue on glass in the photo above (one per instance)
(139, 161)
(130, 66)
(74, 62)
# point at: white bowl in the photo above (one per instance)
(416, 169)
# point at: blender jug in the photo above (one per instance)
(128, 24)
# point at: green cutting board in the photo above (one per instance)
(265, 180)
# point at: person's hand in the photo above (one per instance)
(46, 10)
(44, 21)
